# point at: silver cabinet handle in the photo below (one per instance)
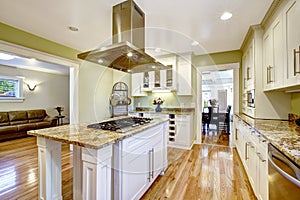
(283, 173)
(268, 69)
(152, 171)
(269, 75)
(248, 73)
(295, 60)
(259, 156)
(150, 165)
(246, 150)
(261, 139)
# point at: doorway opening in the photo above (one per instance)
(217, 104)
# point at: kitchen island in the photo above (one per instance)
(97, 154)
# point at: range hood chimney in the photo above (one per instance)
(127, 51)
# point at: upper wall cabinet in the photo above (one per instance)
(265, 105)
(248, 63)
(291, 16)
(184, 75)
(273, 56)
(166, 79)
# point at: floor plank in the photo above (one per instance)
(205, 172)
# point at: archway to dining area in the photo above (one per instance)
(218, 100)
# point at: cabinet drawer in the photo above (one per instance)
(183, 118)
(153, 134)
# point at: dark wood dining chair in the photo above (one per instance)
(224, 120)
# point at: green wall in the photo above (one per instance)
(19, 37)
(218, 58)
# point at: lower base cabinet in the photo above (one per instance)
(138, 161)
(252, 149)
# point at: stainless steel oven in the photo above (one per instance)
(284, 176)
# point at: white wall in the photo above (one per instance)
(52, 91)
(95, 85)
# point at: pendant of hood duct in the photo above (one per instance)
(127, 51)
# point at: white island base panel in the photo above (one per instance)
(94, 180)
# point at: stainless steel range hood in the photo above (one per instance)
(127, 51)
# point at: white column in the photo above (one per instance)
(49, 155)
(97, 168)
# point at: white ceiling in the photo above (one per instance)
(176, 22)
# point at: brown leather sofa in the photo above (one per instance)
(15, 124)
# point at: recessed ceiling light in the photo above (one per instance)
(226, 16)
(32, 59)
(153, 67)
(195, 43)
(128, 70)
(4, 56)
(129, 54)
(73, 28)
(100, 61)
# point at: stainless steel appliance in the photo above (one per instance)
(127, 51)
(121, 125)
(251, 98)
(284, 176)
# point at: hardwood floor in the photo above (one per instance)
(205, 172)
(19, 170)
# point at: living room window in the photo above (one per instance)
(11, 89)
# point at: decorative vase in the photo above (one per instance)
(158, 108)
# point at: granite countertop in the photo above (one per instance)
(282, 134)
(80, 135)
(169, 110)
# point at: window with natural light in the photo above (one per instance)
(11, 88)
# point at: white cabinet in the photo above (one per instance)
(291, 16)
(168, 78)
(252, 149)
(273, 56)
(248, 66)
(184, 130)
(267, 105)
(138, 160)
(181, 131)
(262, 171)
(137, 84)
(184, 75)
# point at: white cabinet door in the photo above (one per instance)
(252, 165)
(157, 161)
(262, 178)
(138, 160)
(136, 172)
(291, 16)
(184, 77)
(267, 60)
(184, 134)
(273, 55)
(168, 77)
(136, 84)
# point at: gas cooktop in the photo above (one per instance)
(121, 125)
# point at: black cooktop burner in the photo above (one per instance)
(121, 125)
